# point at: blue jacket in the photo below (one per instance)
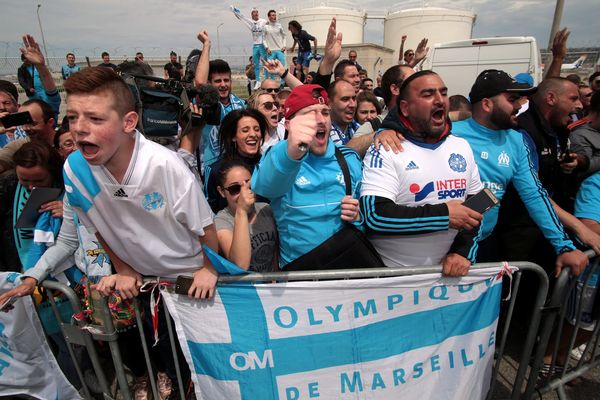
(305, 195)
(503, 156)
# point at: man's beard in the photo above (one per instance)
(502, 120)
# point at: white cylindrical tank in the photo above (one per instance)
(436, 24)
(316, 20)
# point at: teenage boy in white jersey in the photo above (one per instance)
(412, 201)
(140, 199)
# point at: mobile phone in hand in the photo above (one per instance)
(16, 119)
(482, 201)
(7, 305)
(183, 284)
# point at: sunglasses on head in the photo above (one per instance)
(269, 105)
(272, 90)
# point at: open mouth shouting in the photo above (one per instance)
(88, 149)
(438, 117)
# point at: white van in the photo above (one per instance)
(460, 62)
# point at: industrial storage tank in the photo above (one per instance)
(437, 24)
(316, 20)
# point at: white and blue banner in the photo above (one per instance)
(415, 337)
(27, 365)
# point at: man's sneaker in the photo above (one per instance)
(257, 85)
(165, 386)
(141, 388)
(577, 352)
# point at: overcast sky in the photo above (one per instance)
(156, 26)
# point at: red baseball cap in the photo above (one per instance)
(303, 96)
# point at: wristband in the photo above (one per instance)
(284, 74)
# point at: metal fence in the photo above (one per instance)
(560, 330)
(86, 334)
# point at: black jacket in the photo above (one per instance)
(25, 75)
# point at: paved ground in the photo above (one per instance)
(587, 387)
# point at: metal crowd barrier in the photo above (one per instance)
(83, 333)
(551, 335)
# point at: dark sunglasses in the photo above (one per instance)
(410, 54)
(272, 90)
(269, 104)
(235, 188)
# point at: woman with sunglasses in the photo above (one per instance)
(241, 136)
(245, 228)
(268, 105)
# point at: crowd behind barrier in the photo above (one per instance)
(301, 146)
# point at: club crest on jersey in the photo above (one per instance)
(153, 201)
(503, 160)
(214, 138)
(340, 178)
(457, 162)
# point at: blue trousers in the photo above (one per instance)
(276, 55)
(258, 53)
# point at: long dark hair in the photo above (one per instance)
(228, 129)
(227, 166)
(39, 153)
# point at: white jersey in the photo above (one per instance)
(154, 219)
(420, 174)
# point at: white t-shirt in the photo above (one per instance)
(153, 220)
(420, 174)
(272, 140)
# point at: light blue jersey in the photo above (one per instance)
(503, 157)
(586, 204)
(305, 195)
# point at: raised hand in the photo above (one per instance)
(31, 50)
(559, 43)
(273, 66)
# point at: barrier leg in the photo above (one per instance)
(115, 352)
(175, 356)
(530, 339)
(83, 336)
(500, 352)
(545, 332)
(86, 391)
(140, 324)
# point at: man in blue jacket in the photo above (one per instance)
(503, 156)
(303, 179)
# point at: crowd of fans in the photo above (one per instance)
(310, 154)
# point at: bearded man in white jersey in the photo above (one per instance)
(412, 200)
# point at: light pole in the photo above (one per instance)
(219, 39)
(558, 11)
(42, 31)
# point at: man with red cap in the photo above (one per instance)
(303, 178)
